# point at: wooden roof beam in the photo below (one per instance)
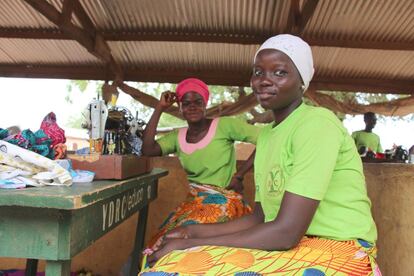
(363, 85)
(297, 20)
(29, 33)
(56, 34)
(67, 10)
(74, 32)
(84, 19)
(309, 8)
(87, 37)
(211, 77)
(293, 16)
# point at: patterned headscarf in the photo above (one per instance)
(192, 85)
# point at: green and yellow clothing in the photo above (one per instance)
(312, 155)
(367, 139)
(213, 159)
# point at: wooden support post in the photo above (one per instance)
(139, 242)
(58, 268)
(31, 267)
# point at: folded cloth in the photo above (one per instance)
(78, 176)
(9, 184)
(81, 176)
(65, 163)
(20, 165)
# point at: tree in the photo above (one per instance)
(366, 99)
(218, 95)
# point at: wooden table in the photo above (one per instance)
(56, 223)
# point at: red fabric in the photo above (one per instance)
(51, 128)
(192, 85)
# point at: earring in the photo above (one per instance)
(302, 87)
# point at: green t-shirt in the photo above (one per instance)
(367, 139)
(312, 155)
(213, 159)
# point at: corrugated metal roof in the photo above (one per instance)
(17, 14)
(368, 20)
(41, 52)
(182, 55)
(357, 63)
(220, 16)
(367, 41)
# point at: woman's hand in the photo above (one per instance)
(182, 232)
(166, 247)
(177, 233)
(168, 98)
(236, 184)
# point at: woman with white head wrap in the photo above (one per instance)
(312, 214)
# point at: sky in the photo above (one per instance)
(26, 102)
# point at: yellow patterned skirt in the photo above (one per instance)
(312, 257)
(204, 204)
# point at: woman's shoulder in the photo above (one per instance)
(226, 120)
(317, 114)
(318, 111)
(319, 119)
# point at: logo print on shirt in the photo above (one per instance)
(275, 181)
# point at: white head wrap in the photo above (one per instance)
(297, 50)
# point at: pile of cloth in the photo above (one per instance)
(48, 141)
(26, 158)
(20, 167)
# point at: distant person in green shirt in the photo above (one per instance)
(366, 140)
(312, 214)
(206, 151)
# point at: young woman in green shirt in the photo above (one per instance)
(206, 151)
(312, 214)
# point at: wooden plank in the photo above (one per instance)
(76, 196)
(90, 223)
(29, 232)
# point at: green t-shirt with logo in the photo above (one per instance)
(213, 159)
(367, 139)
(312, 155)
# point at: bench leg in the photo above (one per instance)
(31, 267)
(139, 241)
(58, 268)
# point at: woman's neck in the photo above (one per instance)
(197, 131)
(281, 114)
(199, 126)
